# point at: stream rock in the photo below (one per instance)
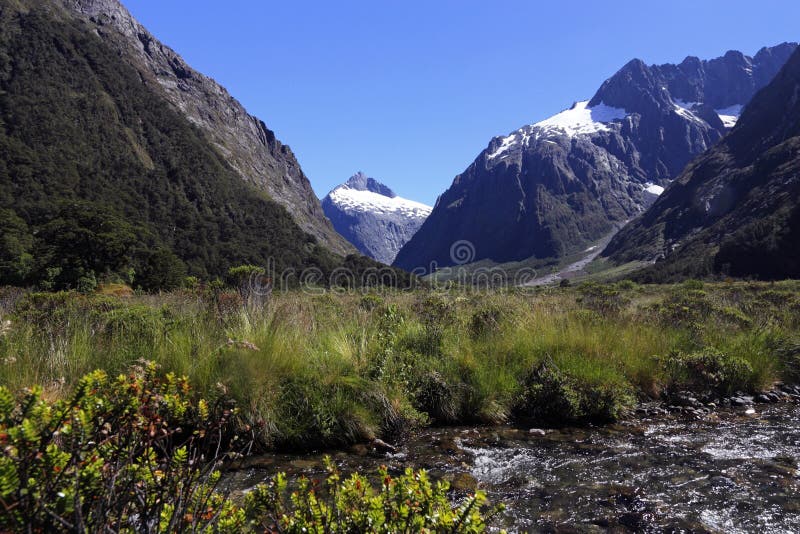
(464, 482)
(742, 400)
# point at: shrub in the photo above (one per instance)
(684, 308)
(693, 284)
(436, 311)
(708, 370)
(485, 321)
(605, 299)
(627, 285)
(370, 302)
(136, 321)
(53, 312)
(122, 454)
(333, 412)
(788, 352)
(552, 396)
(733, 316)
(438, 398)
(87, 283)
(406, 503)
(139, 454)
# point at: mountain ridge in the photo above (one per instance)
(104, 179)
(244, 140)
(550, 188)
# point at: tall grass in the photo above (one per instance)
(332, 369)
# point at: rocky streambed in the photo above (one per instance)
(668, 469)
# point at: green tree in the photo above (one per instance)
(16, 245)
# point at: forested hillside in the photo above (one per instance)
(100, 176)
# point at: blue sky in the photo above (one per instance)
(411, 91)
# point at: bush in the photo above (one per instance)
(407, 503)
(693, 284)
(122, 454)
(605, 299)
(554, 397)
(139, 454)
(549, 396)
(438, 398)
(788, 352)
(370, 302)
(709, 371)
(137, 322)
(330, 414)
(52, 312)
(684, 308)
(485, 321)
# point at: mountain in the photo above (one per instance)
(735, 210)
(554, 187)
(243, 141)
(372, 217)
(102, 175)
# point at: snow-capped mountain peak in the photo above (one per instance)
(361, 182)
(364, 194)
(580, 119)
(556, 186)
(372, 217)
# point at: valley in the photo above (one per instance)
(594, 327)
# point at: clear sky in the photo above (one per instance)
(411, 91)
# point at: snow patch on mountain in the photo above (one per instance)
(352, 200)
(580, 119)
(650, 193)
(730, 115)
(684, 109)
(685, 105)
(653, 189)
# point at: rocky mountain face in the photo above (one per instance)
(243, 140)
(552, 188)
(736, 209)
(372, 217)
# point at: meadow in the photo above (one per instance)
(310, 370)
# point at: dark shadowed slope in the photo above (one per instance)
(735, 210)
